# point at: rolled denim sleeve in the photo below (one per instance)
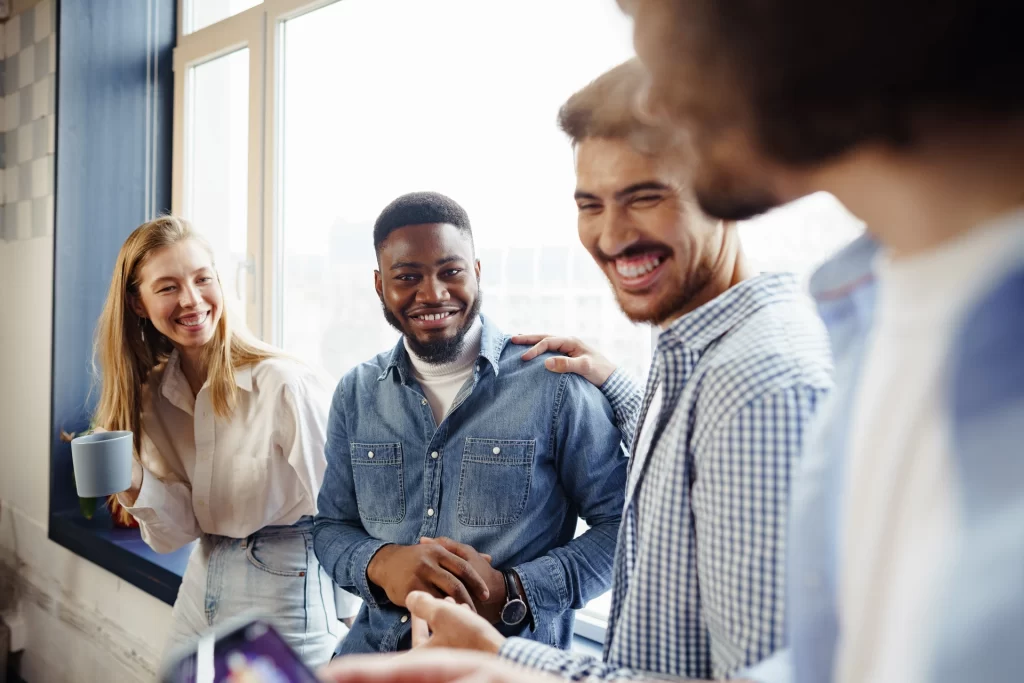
(626, 398)
(342, 545)
(592, 468)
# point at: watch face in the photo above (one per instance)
(514, 612)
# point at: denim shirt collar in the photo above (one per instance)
(492, 341)
(699, 328)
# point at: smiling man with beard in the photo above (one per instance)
(456, 468)
(740, 367)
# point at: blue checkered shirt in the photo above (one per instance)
(699, 565)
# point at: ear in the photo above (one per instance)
(378, 284)
(476, 268)
(137, 307)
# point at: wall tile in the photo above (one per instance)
(10, 210)
(11, 74)
(2, 188)
(42, 59)
(42, 177)
(52, 43)
(44, 18)
(24, 145)
(41, 137)
(51, 132)
(28, 28)
(11, 178)
(41, 98)
(26, 66)
(3, 151)
(12, 36)
(3, 228)
(42, 216)
(3, 40)
(25, 180)
(12, 114)
(26, 106)
(23, 214)
(3, 76)
(10, 145)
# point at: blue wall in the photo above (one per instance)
(113, 171)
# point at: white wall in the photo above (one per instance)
(83, 623)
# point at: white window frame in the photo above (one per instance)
(261, 30)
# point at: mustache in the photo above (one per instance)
(637, 249)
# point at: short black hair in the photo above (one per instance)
(419, 208)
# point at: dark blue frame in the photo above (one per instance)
(114, 120)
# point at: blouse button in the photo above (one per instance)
(496, 450)
(405, 618)
(434, 455)
(430, 512)
(423, 402)
(370, 454)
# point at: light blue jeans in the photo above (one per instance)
(272, 574)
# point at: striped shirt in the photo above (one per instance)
(699, 565)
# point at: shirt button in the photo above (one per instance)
(370, 454)
(496, 450)
(405, 618)
(423, 402)
(430, 512)
(434, 455)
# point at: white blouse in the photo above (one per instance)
(261, 466)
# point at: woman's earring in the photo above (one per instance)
(142, 329)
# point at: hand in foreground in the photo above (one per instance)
(445, 624)
(428, 567)
(489, 609)
(579, 358)
(429, 666)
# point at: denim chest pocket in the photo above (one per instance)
(495, 481)
(380, 482)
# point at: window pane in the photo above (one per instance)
(201, 13)
(216, 176)
(447, 100)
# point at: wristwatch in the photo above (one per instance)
(514, 611)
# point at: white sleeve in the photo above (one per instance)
(302, 434)
(163, 511)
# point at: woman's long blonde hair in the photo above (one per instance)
(128, 347)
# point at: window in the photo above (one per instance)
(346, 108)
(216, 160)
(446, 99)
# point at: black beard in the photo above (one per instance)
(443, 350)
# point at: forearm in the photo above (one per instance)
(162, 509)
(345, 550)
(569, 576)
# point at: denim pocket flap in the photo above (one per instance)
(500, 451)
(376, 453)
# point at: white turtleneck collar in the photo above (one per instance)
(441, 382)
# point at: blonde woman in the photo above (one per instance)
(229, 442)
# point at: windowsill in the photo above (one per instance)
(121, 552)
(586, 646)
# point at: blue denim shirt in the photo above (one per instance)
(981, 638)
(521, 455)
